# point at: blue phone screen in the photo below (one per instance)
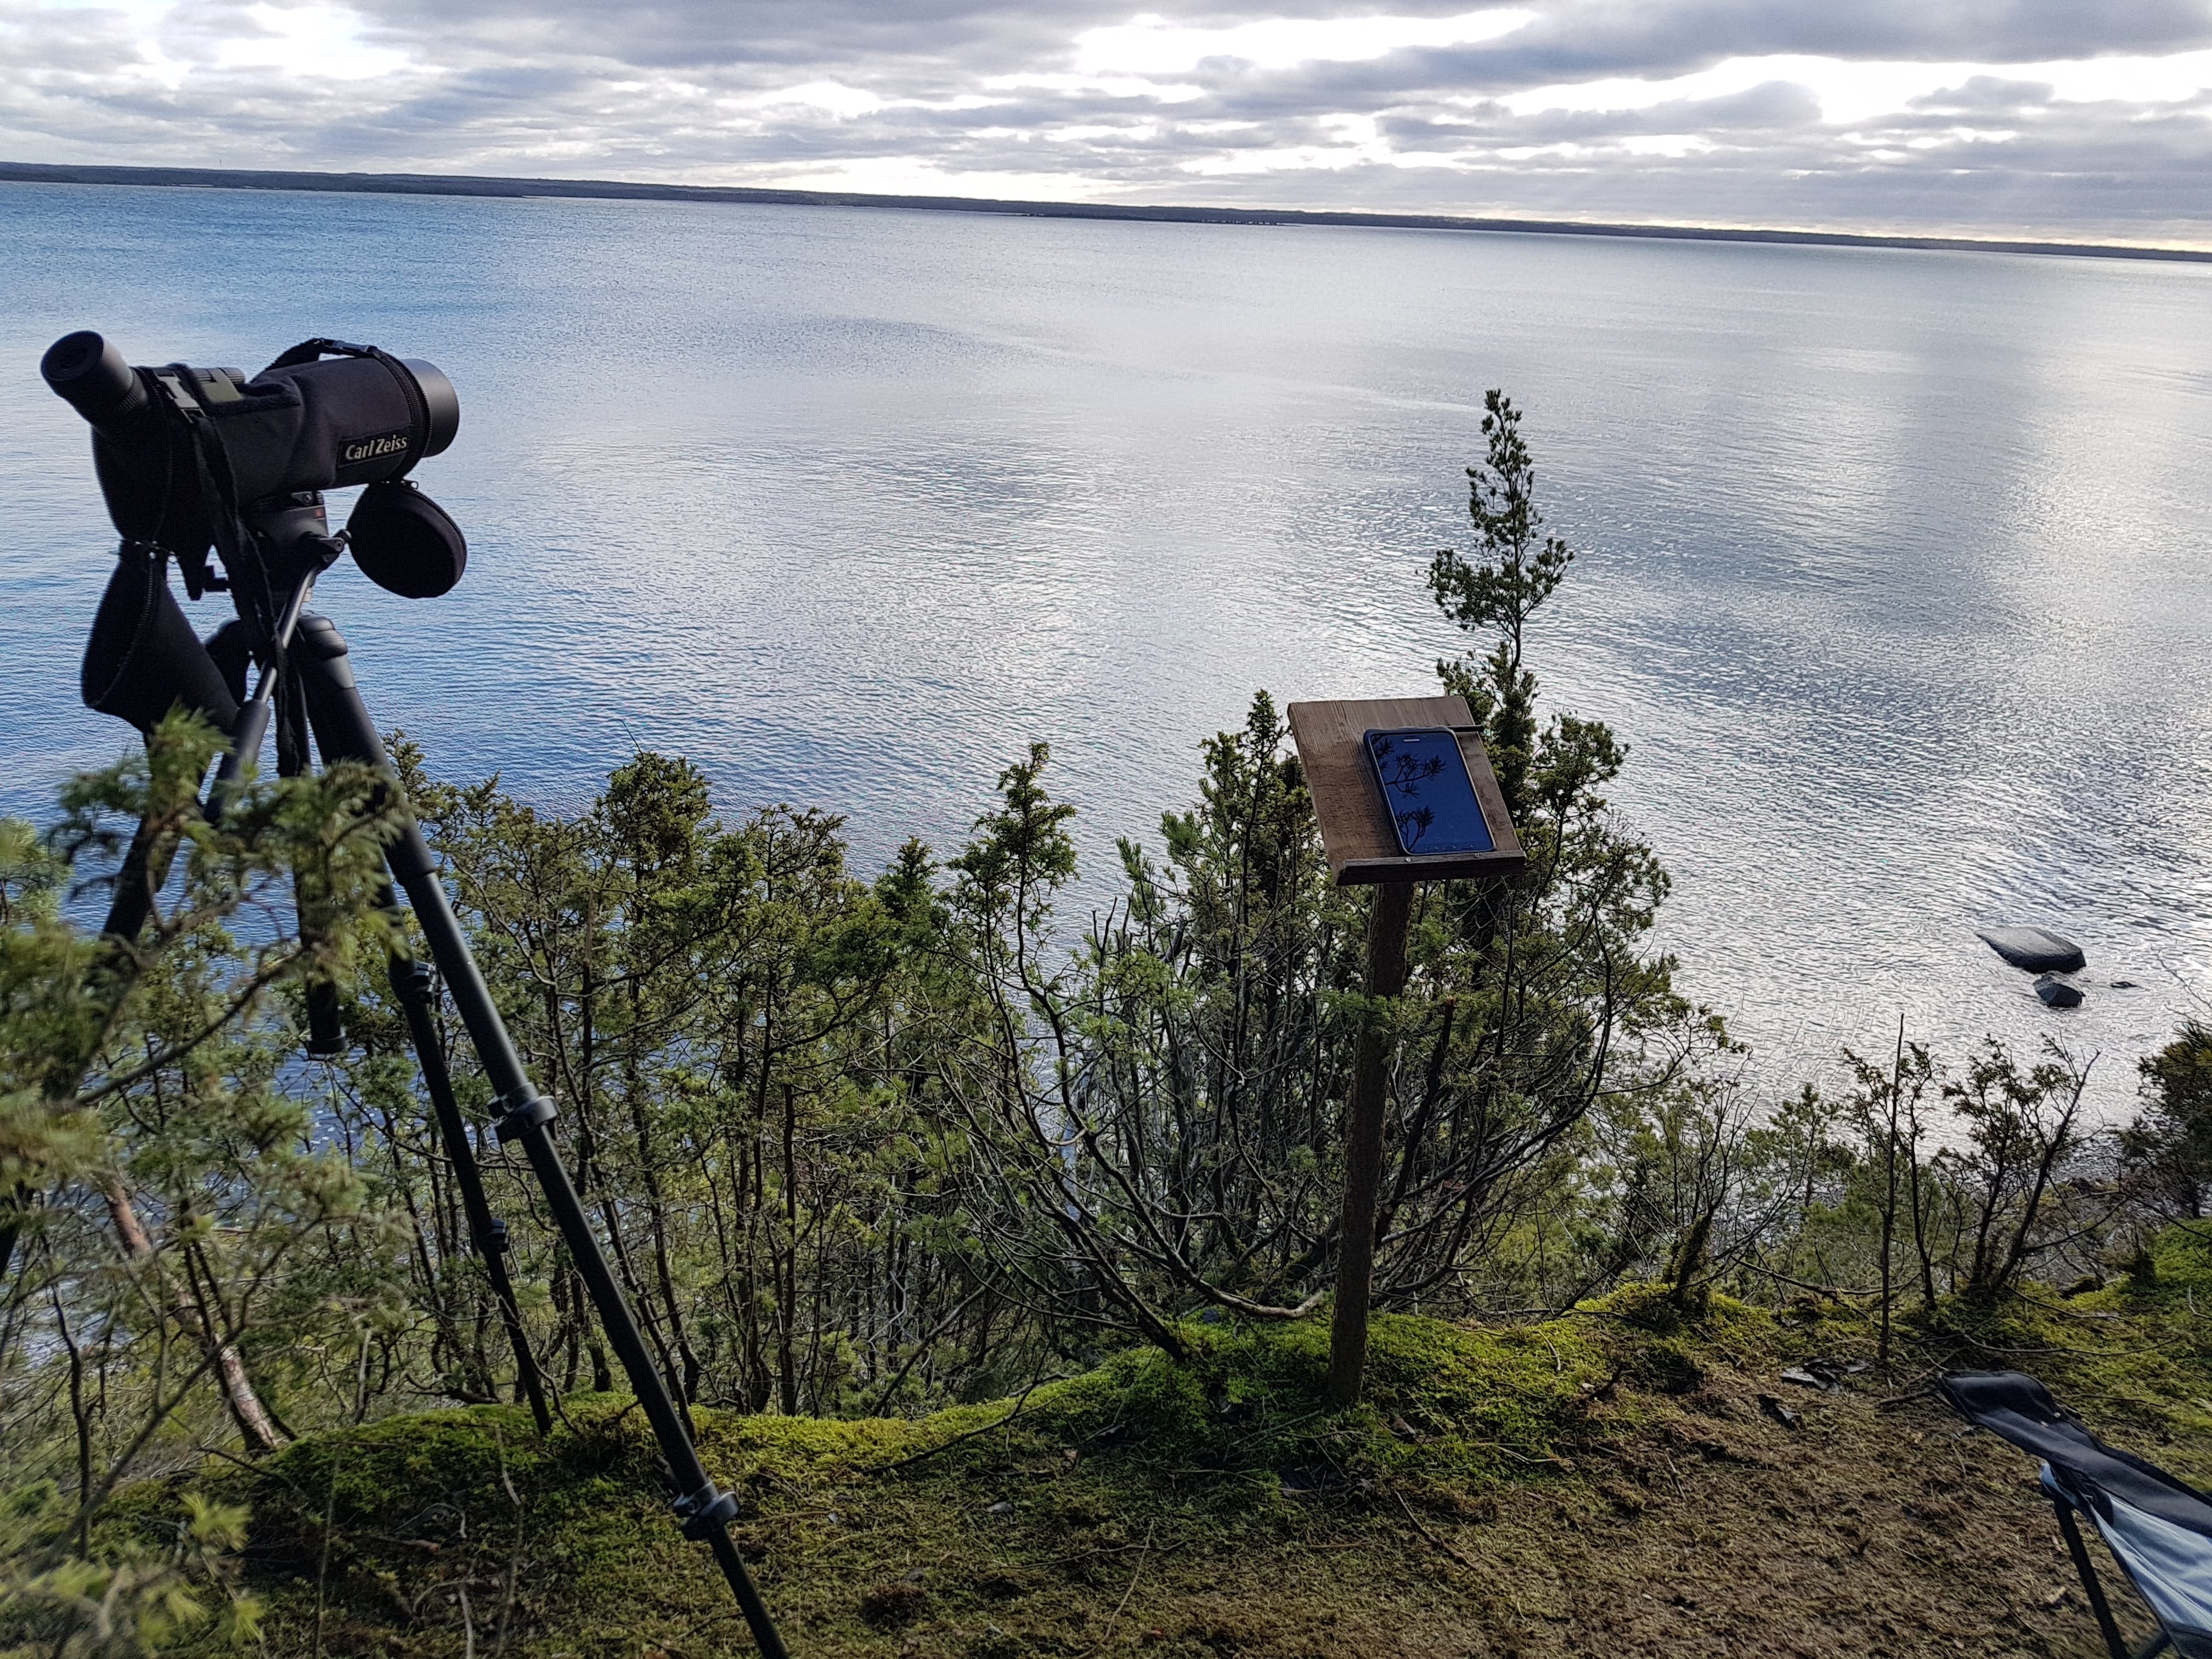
(1431, 797)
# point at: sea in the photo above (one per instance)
(1891, 566)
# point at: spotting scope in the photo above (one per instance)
(182, 452)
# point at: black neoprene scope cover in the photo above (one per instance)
(404, 543)
(144, 658)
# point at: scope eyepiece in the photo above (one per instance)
(86, 369)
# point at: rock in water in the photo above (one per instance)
(2056, 993)
(2036, 949)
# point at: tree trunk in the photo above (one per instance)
(1889, 1192)
(245, 1407)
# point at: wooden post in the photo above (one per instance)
(1363, 1150)
(1360, 836)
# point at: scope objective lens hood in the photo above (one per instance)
(442, 405)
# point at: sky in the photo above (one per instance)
(2069, 119)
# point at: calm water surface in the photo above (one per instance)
(1892, 564)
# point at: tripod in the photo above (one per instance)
(297, 528)
(309, 652)
(343, 731)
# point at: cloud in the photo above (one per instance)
(1995, 117)
(1152, 45)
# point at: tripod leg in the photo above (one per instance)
(410, 984)
(345, 731)
(135, 886)
(2095, 1591)
(325, 1035)
(142, 874)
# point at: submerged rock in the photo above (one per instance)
(2056, 993)
(2035, 949)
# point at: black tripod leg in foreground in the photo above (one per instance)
(410, 985)
(343, 730)
(143, 871)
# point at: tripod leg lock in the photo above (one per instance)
(707, 1511)
(518, 1119)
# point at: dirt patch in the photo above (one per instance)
(1864, 1531)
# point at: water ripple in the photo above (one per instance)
(1893, 565)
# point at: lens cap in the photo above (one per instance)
(404, 541)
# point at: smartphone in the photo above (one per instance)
(1431, 797)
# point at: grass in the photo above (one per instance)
(1617, 1481)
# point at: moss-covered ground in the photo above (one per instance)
(1624, 1480)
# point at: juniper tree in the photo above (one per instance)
(1495, 590)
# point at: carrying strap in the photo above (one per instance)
(249, 580)
(308, 351)
(175, 522)
(218, 491)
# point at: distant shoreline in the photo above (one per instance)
(432, 184)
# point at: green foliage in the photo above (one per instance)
(134, 1596)
(2169, 1146)
(1218, 1500)
(2020, 1138)
(1512, 572)
(730, 1020)
(1042, 1496)
(158, 1169)
(1163, 1117)
(913, 1144)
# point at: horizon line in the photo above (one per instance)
(495, 185)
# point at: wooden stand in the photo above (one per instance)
(1362, 845)
(1356, 831)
